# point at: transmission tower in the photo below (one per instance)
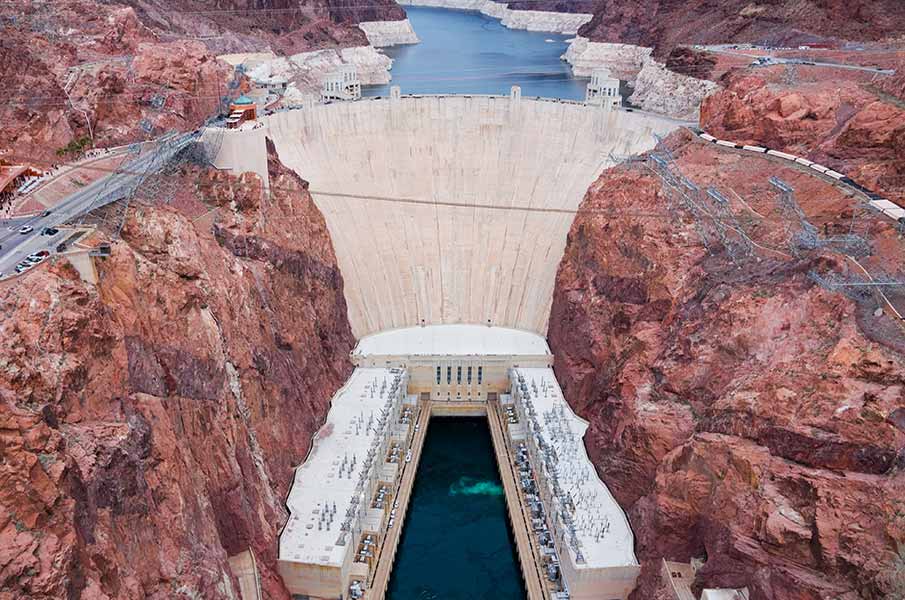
(807, 238)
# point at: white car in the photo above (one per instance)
(37, 257)
(26, 229)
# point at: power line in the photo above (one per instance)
(395, 199)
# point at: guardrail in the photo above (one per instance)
(875, 200)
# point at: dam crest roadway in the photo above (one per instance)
(459, 246)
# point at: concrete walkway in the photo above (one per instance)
(387, 554)
(535, 584)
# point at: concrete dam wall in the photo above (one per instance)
(424, 198)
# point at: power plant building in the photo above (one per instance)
(346, 495)
(603, 90)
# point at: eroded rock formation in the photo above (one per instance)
(149, 424)
(840, 124)
(739, 412)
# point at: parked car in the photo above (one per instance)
(50, 231)
(26, 229)
(20, 267)
(46, 213)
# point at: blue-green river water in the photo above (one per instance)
(457, 543)
(466, 52)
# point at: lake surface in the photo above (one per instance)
(466, 52)
(457, 543)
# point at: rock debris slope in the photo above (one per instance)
(149, 425)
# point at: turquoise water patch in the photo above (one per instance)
(469, 486)
(457, 544)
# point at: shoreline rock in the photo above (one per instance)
(656, 88)
(660, 90)
(529, 20)
(389, 33)
(624, 61)
(307, 71)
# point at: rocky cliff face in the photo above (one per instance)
(840, 124)
(738, 411)
(663, 24)
(112, 81)
(294, 26)
(149, 424)
(80, 73)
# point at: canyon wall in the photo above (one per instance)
(543, 19)
(133, 85)
(389, 33)
(663, 24)
(81, 74)
(661, 90)
(149, 424)
(739, 412)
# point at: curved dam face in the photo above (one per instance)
(425, 199)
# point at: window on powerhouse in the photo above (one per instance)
(480, 375)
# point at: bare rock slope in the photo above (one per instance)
(80, 73)
(664, 24)
(840, 124)
(739, 412)
(149, 424)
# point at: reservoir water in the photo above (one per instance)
(469, 53)
(457, 543)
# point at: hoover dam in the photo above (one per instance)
(453, 209)
(449, 217)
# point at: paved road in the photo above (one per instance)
(778, 60)
(14, 246)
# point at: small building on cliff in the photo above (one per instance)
(242, 109)
(603, 90)
(14, 179)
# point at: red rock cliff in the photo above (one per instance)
(739, 413)
(663, 24)
(840, 124)
(149, 424)
(79, 73)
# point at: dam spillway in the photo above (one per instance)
(453, 209)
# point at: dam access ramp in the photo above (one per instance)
(453, 209)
